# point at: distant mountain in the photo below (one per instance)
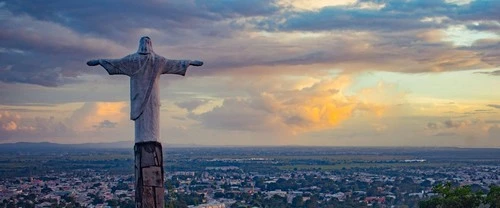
(44, 146)
(30, 145)
(41, 146)
(106, 145)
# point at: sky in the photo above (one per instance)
(276, 72)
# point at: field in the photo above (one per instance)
(270, 159)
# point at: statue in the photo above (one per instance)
(144, 69)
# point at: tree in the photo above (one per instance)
(218, 195)
(493, 197)
(46, 190)
(275, 202)
(453, 197)
(312, 202)
(113, 203)
(298, 201)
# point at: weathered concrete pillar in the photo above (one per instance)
(149, 177)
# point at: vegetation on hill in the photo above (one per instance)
(462, 197)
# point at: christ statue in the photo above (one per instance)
(144, 69)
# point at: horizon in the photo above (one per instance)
(186, 145)
(276, 73)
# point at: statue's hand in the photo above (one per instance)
(93, 62)
(196, 63)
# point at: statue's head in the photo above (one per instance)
(145, 45)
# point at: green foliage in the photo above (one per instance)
(493, 197)
(183, 200)
(461, 197)
(275, 202)
(119, 186)
(298, 201)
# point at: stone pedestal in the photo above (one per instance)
(149, 176)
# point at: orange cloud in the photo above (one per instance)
(15, 126)
(91, 114)
(295, 106)
(84, 122)
(11, 126)
(432, 36)
(314, 5)
(8, 121)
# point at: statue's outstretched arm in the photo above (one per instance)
(196, 63)
(93, 62)
(112, 66)
(179, 67)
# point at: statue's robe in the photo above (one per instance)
(144, 71)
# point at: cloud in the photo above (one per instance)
(8, 121)
(46, 45)
(431, 36)
(494, 106)
(97, 17)
(235, 8)
(445, 134)
(494, 132)
(14, 126)
(51, 55)
(82, 122)
(480, 10)
(98, 114)
(456, 124)
(387, 16)
(295, 107)
(380, 16)
(432, 125)
(475, 128)
(191, 104)
(493, 26)
(314, 5)
(493, 73)
(106, 124)
(278, 56)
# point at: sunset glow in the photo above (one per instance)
(284, 72)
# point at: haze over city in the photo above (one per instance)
(282, 72)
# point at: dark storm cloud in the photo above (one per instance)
(48, 43)
(396, 15)
(234, 8)
(333, 18)
(44, 53)
(479, 10)
(115, 18)
(110, 18)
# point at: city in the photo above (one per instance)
(250, 176)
